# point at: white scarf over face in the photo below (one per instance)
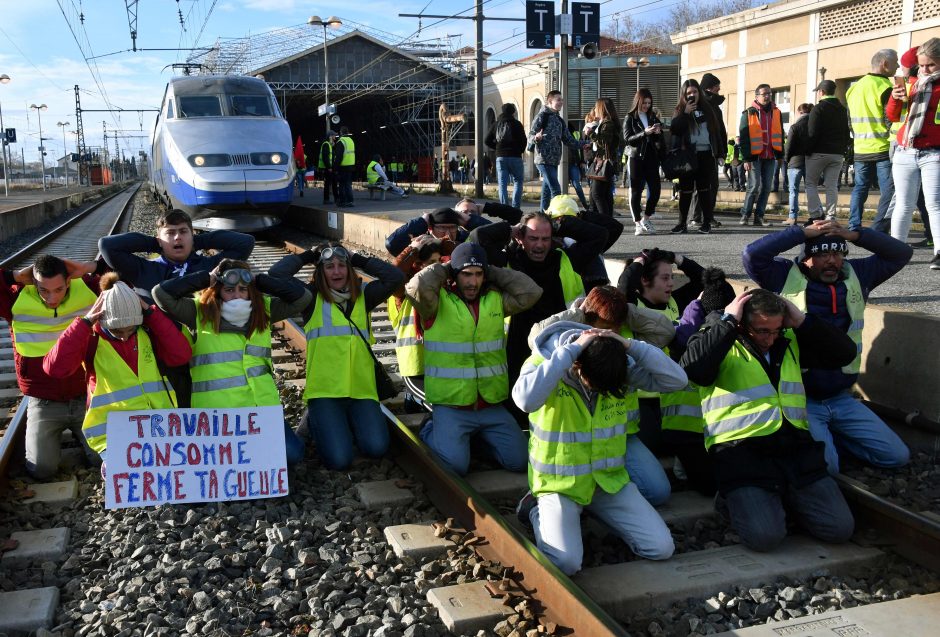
(237, 311)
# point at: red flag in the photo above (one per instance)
(299, 153)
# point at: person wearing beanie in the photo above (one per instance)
(452, 225)
(39, 302)
(762, 142)
(507, 137)
(711, 92)
(747, 362)
(826, 285)
(230, 310)
(325, 166)
(121, 342)
(462, 308)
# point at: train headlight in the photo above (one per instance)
(268, 159)
(208, 161)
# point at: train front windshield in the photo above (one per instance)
(254, 105)
(238, 105)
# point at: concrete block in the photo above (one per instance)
(45, 544)
(499, 484)
(623, 589)
(685, 507)
(912, 617)
(54, 493)
(28, 610)
(383, 493)
(468, 608)
(416, 540)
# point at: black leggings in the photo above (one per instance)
(602, 197)
(644, 171)
(700, 181)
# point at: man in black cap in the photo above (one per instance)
(826, 285)
(325, 167)
(828, 137)
(462, 306)
(450, 224)
(344, 164)
(711, 90)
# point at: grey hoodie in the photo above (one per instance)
(648, 367)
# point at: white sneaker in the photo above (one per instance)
(692, 223)
(648, 225)
(640, 229)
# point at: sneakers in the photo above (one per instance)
(830, 216)
(647, 224)
(524, 508)
(935, 262)
(679, 229)
(704, 228)
(743, 220)
(761, 222)
(640, 229)
(716, 223)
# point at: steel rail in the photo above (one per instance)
(17, 427)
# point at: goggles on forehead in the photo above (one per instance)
(235, 276)
(337, 252)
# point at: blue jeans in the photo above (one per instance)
(759, 518)
(550, 185)
(574, 176)
(345, 176)
(646, 472)
(299, 178)
(335, 423)
(557, 525)
(916, 171)
(759, 180)
(510, 168)
(844, 422)
(795, 175)
(293, 445)
(449, 431)
(865, 174)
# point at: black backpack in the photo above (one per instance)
(503, 132)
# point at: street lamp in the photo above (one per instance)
(334, 23)
(635, 63)
(65, 150)
(4, 79)
(42, 152)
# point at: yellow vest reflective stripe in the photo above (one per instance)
(739, 405)
(36, 327)
(465, 358)
(339, 364)
(870, 127)
(571, 450)
(672, 313)
(794, 289)
(118, 389)
(231, 370)
(408, 348)
(329, 154)
(349, 151)
(682, 410)
(371, 175)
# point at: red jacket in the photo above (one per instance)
(79, 342)
(930, 132)
(30, 376)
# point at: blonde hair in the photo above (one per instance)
(930, 48)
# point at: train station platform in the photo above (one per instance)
(24, 210)
(902, 321)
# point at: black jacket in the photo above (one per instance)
(681, 134)
(789, 456)
(515, 145)
(798, 142)
(634, 134)
(828, 127)
(716, 101)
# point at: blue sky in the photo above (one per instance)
(38, 50)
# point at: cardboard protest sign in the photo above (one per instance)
(182, 456)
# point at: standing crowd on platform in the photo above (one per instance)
(510, 333)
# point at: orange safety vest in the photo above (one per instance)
(756, 133)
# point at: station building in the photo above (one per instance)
(793, 45)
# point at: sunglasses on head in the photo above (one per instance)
(337, 252)
(235, 276)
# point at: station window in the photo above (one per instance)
(200, 106)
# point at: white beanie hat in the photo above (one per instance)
(121, 307)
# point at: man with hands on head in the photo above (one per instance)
(578, 388)
(450, 224)
(747, 363)
(40, 301)
(462, 306)
(827, 285)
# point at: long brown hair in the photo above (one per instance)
(211, 301)
(711, 119)
(353, 283)
(642, 94)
